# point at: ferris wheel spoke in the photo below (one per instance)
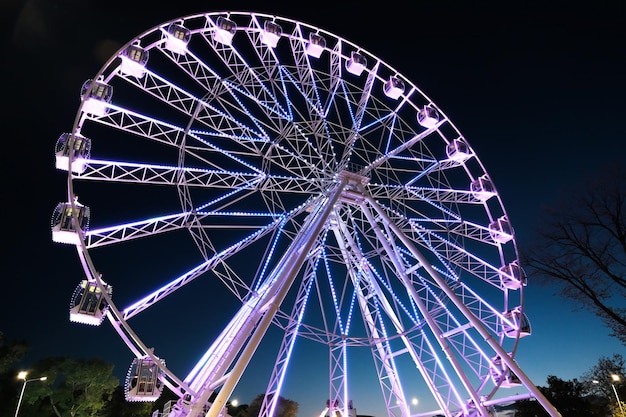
(237, 285)
(196, 69)
(217, 120)
(155, 130)
(269, 68)
(435, 197)
(223, 91)
(303, 78)
(450, 254)
(127, 172)
(450, 223)
(402, 147)
(385, 354)
(288, 135)
(150, 128)
(162, 224)
(363, 99)
(246, 76)
(458, 334)
(165, 91)
(134, 230)
(436, 324)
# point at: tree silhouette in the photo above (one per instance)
(119, 407)
(284, 407)
(581, 248)
(74, 388)
(569, 397)
(11, 351)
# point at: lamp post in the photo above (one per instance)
(615, 378)
(22, 375)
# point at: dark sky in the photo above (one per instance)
(537, 88)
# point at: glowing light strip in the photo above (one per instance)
(193, 273)
(269, 256)
(305, 300)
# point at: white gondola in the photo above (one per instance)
(510, 380)
(96, 96)
(82, 150)
(271, 33)
(224, 30)
(337, 411)
(88, 305)
(495, 370)
(428, 117)
(516, 321)
(512, 276)
(501, 230)
(394, 88)
(356, 64)
(134, 60)
(176, 38)
(316, 45)
(66, 219)
(143, 381)
(458, 150)
(501, 374)
(482, 189)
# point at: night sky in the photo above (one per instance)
(537, 88)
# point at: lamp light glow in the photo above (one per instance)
(22, 375)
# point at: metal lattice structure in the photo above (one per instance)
(317, 186)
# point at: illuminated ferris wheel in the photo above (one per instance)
(255, 167)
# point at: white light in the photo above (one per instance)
(414, 401)
(22, 376)
(616, 378)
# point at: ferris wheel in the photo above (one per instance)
(257, 168)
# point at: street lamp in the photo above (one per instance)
(615, 378)
(22, 375)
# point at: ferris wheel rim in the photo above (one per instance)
(140, 348)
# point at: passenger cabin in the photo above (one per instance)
(482, 189)
(501, 230)
(224, 30)
(428, 117)
(67, 143)
(512, 276)
(510, 380)
(394, 88)
(316, 45)
(65, 221)
(356, 64)
(134, 60)
(271, 33)
(501, 374)
(458, 150)
(88, 305)
(143, 381)
(516, 320)
(337, 411)
(177, 38)
(96, 95)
